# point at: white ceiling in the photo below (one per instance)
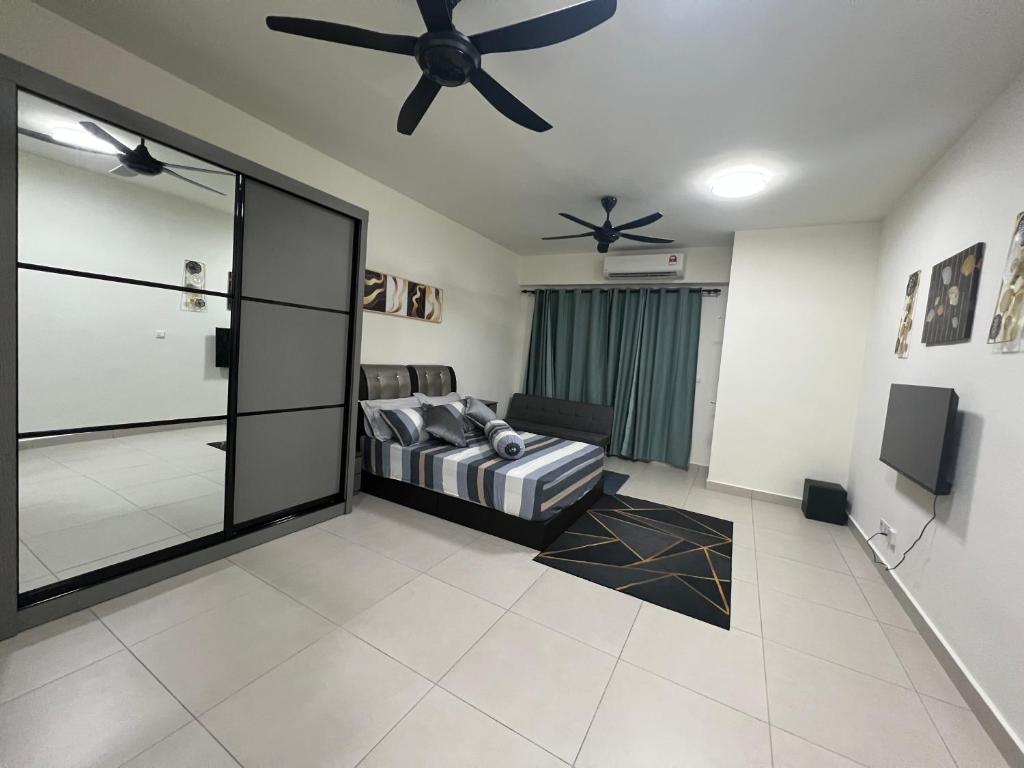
(41, 115)
(849, 101)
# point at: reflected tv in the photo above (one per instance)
(919, 440)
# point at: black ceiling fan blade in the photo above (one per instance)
(569, 237)
(578, 220)
(506, 103)
(639, 222)
(102, 135)
(436, 15)
(344, 34)
(546, 30)
(197, 170)
(176, 175)
(416, 105)
(50, 140)
(602, 247)
(123, 172)
(642, 239)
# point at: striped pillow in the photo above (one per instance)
(505, 441)
(406, 424)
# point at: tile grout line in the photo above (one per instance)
(917, 693)
(59, 677)
(476, 642)
(607, 684)
(764, 653)
(170, 693)
(821, 746)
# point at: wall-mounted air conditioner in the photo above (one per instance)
(661, 266)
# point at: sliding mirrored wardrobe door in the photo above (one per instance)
(124, 249)
(293, 355)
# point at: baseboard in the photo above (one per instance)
(1002, 735)
(108, 434)
(752, 493)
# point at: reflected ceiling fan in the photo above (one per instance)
(134, 162)
(606, 234)
(450, 58)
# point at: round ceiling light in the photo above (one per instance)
(738, 183)
(76, 137)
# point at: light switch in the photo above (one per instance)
(160, 334)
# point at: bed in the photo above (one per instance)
(529, 501)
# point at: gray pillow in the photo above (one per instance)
(374, 424)
(451, 397)
(446, 422)
(478, 413)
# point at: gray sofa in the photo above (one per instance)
(583, 422)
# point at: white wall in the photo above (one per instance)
(704, 266)
(792, 358)
(967, 571)
(481, 335)
(88, 352)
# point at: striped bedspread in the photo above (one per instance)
(551, 475)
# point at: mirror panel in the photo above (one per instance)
(80, 207)
(101, 360)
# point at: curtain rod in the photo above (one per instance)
(701, 291)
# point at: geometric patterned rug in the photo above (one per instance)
(613, 481)
(670, 557)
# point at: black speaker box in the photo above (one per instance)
(824, 501)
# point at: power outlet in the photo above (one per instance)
(889, 532)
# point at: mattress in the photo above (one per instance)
(551, 475)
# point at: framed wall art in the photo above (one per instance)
(1008, 319)
(907, 320)
(399, 297)
(952, 297)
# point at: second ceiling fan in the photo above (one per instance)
(606, 234)
(449, 58)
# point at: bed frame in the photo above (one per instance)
(392, 381)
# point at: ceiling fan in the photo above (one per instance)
(134, 162)
(606, 234)
(450, 58)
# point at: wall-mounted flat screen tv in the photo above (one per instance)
(919, 436)
(222, 348)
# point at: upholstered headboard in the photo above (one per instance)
(378, 382)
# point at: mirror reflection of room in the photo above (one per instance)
(97, 202)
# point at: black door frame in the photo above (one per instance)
(66, 597)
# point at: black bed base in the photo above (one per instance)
(536, 535)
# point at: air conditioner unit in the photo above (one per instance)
(645, 266)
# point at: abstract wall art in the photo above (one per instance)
(193, 275)
(399, 297)
(1008, 318)
(952, 296)
(907, 320)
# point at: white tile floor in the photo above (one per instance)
(98, 501)
(389, 639)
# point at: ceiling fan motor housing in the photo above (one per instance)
(140, 161)
(447, 58)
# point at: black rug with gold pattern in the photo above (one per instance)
(670, 557)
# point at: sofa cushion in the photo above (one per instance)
(585, 417)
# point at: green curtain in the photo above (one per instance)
(632, 349)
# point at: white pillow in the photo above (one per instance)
(452, 397)
(374, 423)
